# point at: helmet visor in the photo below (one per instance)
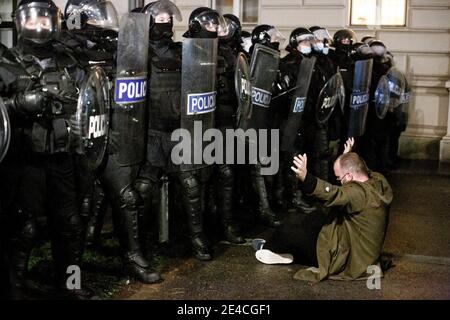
(231, 29)
(276, 36)
(38, 22)
(211, 21)
(322, 35)
(163, 9)
(101, 14)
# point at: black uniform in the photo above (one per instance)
(376, 138)
(164, 117)
(48, 183)
(226, 119)
(317, 134)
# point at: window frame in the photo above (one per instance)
(239, 10)
(378, 17)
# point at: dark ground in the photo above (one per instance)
(418, 241)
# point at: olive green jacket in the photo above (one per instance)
(353, 238)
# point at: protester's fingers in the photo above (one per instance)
(299, 164)
(297, 171)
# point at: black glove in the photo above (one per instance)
(31, 102)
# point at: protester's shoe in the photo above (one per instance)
(257, 244)
(268, 257)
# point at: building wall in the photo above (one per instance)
(421, 49)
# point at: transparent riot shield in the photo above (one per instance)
(5, 130)
(92, 117)
(130, 89)
(243, 87)
(263, 71)
(298, 103)
(359, 100)
(332, 94)
(397, 85)
(198, 97)
(382, 97)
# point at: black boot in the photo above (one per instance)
(134, 263)
(226, 187)
(17, 267)
(299, 203)
(193, 206)
(19, 251)
(266, 216)
(98, 208)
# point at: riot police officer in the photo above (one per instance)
(225, 115)
(265, 117)
(293, 131)
(92, 35)
(165, 110)
(317, 120)
(48, 185)
(376, 138)
(121, 164)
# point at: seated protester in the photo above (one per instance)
(352, 237)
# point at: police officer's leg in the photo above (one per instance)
(147, 186)
(28, 204)
(191, 193)
(266, 215)
(226, 193)
(125, 201)
(66, 226)
(322, 153)
(98, 207)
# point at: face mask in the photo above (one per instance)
(205, 34)
(379, 51)
(274, 45)
(325, 50)
(161, 30)
(305, 50)
(319, 46)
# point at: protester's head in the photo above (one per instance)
(350, 167)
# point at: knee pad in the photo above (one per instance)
(130, 198)
(190, 185)
(226, 175)
(29, 232)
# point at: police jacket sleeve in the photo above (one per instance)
(28, 103)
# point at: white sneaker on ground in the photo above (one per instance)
(268, 257)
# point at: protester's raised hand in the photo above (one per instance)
(299, 168)
(348, 147)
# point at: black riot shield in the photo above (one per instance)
(332, 93)
(198, 98)
(128, 122)
(5, 130)
(263, 71)
(381, 97)
(397, 86)
(298, 103)
(243, 89)
(92, 117)
(359, 100)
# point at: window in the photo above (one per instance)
(7, 30)
(249, 11)
(246, 10)
(378, 12)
